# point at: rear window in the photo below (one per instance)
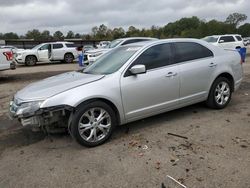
(187, 51)
(70, 45)
(239, 38)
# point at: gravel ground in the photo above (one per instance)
(216, 152)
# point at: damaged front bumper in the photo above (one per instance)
(30, 114)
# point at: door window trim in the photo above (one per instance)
(127, 73)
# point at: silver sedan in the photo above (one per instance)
(130, 83)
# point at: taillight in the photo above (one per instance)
(8, 55)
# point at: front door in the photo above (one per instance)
(43, 53)
(155, 91)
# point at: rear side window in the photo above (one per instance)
(57, 46)
(156, 56)
(227, 39)
(238, 38)
(70, 45)
(186, 51)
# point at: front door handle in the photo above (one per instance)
(212, 65)
(171, 74)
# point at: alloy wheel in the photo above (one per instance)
(222, 93)
(94, 125)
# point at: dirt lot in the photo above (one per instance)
(141, 154)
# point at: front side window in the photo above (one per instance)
(44, 47)
(112, 61)
(155, 57)
(227, 39)
(187, 51)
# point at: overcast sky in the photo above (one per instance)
(81, 15)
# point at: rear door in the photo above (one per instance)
(196, 65)
(154, 91)
(227, 42)
(57, 51)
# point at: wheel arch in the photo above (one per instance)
(32, 55)
(108, 102)
(228, 76)
(68, 53)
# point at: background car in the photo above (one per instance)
(47, 52)
(92, 55)
(129, 83)
(232, 41)
(13, 49)
(6, 59)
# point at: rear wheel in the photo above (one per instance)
(220, 93)
(68, 58)
(30, 60)
(93, 123)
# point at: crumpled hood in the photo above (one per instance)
(54, 85)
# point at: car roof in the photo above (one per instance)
(224, 35)
(129, 38)
(161, 41)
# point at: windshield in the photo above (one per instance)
(114, 43)
(210, 39)
(36, 47)
(112, 61)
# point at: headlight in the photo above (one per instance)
(19, 54)
(29, 108)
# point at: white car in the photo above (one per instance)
(6, 59)
(232, 41)
(46, 52)
(92, 55)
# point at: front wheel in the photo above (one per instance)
(93, 123)
(220, 93)
(30, 61)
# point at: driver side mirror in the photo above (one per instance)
(221, 41)
(138, 69)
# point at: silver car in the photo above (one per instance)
(130, 83)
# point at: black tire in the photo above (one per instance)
(68, 58)
(219, 104)
(79, 117)
(30, 60)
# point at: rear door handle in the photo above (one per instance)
(171, 74)
(212, 65)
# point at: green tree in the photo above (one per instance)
(244, 30)
(10, 35)
(45, 35)
(102, 32)
(77, 36)
(58, 35)
(33, 34)
(235, 19)
(118, 33)
(70, 35)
